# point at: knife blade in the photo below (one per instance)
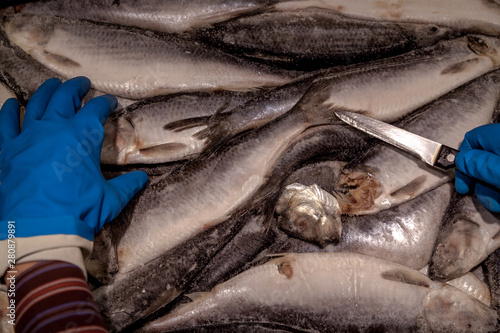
(431, 152)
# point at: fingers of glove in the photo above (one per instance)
(463, 184)
(99, 107)
(9, 121)
(489, 197)
(39, 101)
(481, 165)
(484, 137)
(67, 98)
(121, 190)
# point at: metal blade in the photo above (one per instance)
(426, 149)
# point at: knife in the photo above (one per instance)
(431, 152)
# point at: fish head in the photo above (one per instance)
(308, 213)
(429, 34)
(28, 31)
(120, 141)
(462, 246)
(485, 46)
(448, 309)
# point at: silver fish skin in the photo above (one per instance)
(310, 213)
(262, 109)
(387, 176)
(405, 234)
(137, 134)
(156, 65)
(333, 292)
(166, 16)
(470, 235)
(315, 38)
(206, 192)
(21, 73)
(178, 266)
(390, 88)
(480, 16)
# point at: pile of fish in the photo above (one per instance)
(264, 212)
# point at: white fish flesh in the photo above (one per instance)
(470, 235)
(166, 16)
(334, 292)
(481, 16)
(155, 65)
(387, 176)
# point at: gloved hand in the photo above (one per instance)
(50, 178)
(478, 165)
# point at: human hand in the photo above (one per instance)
(478, 165)
(50, 171)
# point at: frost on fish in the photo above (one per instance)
(310, 213)
(386, 176)
(155, 65)
(166, 16)
(138, 133)
(333, 292)
(390, 88)
(481, 16)
(314, 38)
(470, 235)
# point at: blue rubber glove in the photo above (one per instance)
(50, 179)
(478, 165)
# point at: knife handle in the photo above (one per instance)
(446, 158)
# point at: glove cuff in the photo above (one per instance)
(44, 226)
(69, 248)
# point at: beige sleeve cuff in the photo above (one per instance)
(69, 248)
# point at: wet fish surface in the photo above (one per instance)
(482, 16)
(165, 16)
(100, 52)
(470, 235)
(385, 176)
(315, 38)
(332, 292)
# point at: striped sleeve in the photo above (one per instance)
(52, 296)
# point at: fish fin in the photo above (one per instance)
(197, 295)
(62, 60)
(406, 276)
(497, 237)
(459, 67)
(277, 255)
(184, 124)
(162, 149)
